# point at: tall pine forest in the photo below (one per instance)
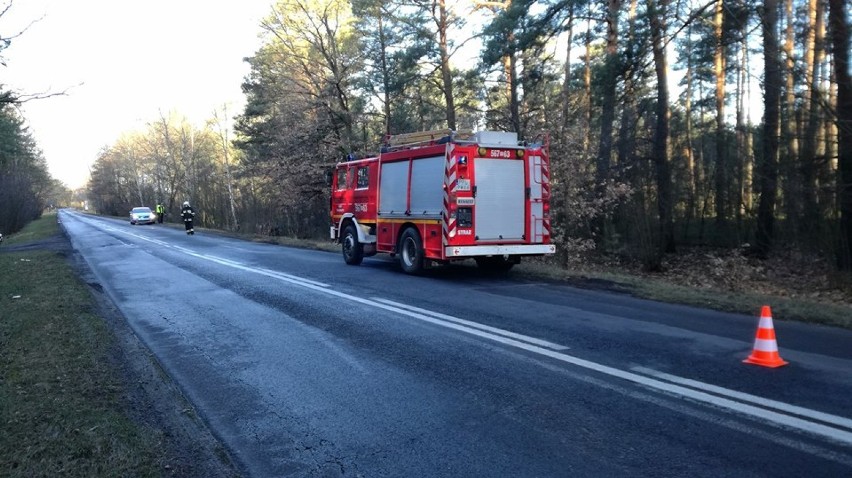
(671, 126)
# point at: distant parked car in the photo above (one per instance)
(142, 215)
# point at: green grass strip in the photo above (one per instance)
(62, 406)
(41, 228)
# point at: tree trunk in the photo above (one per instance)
(771, 96)
(512, 78)
(226, 156)
(825, 173)
(719, 72)
(831, 141)
(627, 132)
(791, 187)
(607, 105)
(566, 82)
(657, 17)
(689, 151)
(744, 153)
(840, 33)
(587, 89)
(808, 159)
(385, 72)
(703, 171)
(510, 69)
(443, 25)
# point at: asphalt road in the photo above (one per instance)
(304, 366)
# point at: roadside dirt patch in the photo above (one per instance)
(57, 243)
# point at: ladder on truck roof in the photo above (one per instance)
(418, 139)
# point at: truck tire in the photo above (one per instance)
(353, 251)
(411, 254)
(494, 264)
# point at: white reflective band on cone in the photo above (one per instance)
(765, 345)
(766, 323)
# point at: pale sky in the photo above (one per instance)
(123, 62)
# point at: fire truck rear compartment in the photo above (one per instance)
(499, 206)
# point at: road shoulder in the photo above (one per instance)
(152, 398)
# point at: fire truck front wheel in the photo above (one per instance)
(411, 251)
(353, 251)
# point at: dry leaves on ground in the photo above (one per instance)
(787, 274)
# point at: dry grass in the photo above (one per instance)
(798, 287)
(314, 244)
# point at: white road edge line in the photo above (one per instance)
(275, 274)
(227, 262)
(745, 397)
(476, 325)
(223, 260)
(833, 434)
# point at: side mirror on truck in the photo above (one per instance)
(329, 177)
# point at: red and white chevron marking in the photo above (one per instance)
(450, 182)
(545, 187)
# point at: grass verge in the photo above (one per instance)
(62, 410)
(39, 229)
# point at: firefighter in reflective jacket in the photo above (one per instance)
(187, 213)
(161, 211)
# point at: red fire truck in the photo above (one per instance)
(441, 196)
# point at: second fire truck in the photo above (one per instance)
(437, 197)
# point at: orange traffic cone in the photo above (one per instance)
(765, 352)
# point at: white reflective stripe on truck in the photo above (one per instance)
(521, 249)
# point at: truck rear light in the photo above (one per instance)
(546, 210)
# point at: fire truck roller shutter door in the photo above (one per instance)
(393, 198)
(499, 207)
(427, 193)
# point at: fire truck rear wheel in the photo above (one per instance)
(353, 251)
(411, 251)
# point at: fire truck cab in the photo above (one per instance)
(441, 196)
